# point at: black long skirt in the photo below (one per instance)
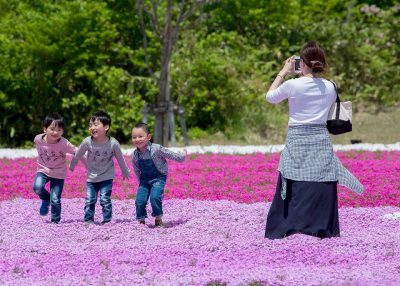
(310, 208)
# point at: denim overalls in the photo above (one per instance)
(151, 186)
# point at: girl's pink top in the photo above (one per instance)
(52, 157)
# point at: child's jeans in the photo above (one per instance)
(54, 196)
(92, 190)
(153, 189)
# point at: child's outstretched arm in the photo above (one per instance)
(121, 161)
(71, 149)
(79, 154)
(168, 154)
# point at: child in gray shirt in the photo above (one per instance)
(100, 150)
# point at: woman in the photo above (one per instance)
(306, 193)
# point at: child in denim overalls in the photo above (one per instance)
(151, 168)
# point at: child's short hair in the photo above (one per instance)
(143, 126)
(53, 117)
(102, 116)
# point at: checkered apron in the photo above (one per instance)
(308, 156)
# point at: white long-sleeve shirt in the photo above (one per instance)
(309, 99)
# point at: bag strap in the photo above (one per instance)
(337, 100)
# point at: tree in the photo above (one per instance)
(173, 16)
(73, 57)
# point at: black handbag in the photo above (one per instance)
(340, 115)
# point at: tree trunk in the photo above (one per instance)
(162, 118)
(165, 125)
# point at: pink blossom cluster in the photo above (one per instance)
(204, 242)
(241, 178)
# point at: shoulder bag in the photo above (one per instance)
(340, 116)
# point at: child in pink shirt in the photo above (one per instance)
(52, 149)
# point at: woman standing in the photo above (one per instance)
(306, 193)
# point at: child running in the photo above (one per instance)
(151, 169)
(51, 165)
(100, 150)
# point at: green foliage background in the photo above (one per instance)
(78, 56)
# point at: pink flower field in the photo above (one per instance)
(215, 210)
(241, 178)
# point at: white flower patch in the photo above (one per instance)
(17, 153)
(222, 149)
(392, 215)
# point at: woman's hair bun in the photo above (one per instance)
(313, 56)
(317, 66)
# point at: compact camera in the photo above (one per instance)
(297, 68)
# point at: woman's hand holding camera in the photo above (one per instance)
(288, 68)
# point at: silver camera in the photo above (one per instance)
(297, 68)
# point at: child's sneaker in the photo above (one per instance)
(142, 221)
(44, 208)
(159, 222)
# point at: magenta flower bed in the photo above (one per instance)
(240, 178)
(204, 243)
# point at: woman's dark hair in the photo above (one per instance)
(102, 116)
(313, 55)
(143, 126)
(53, 117)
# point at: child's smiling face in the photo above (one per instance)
(53, 133)
(98, 130)
(140, 138)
